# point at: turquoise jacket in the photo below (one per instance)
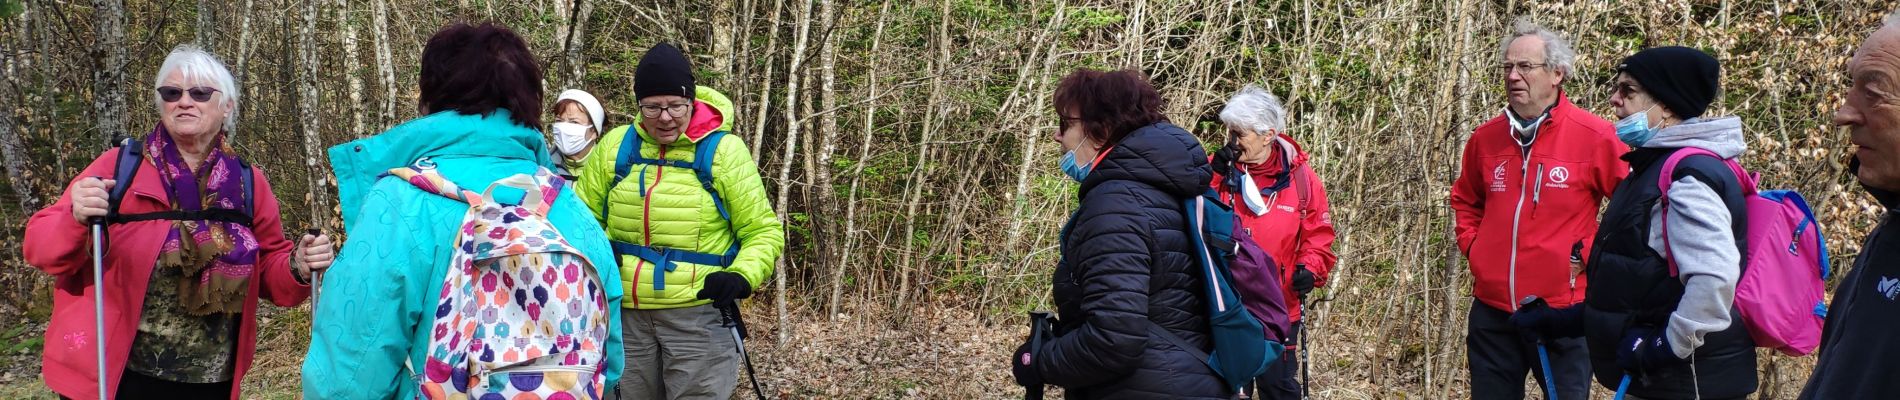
(380, 296)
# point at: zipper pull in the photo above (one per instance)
(1576, 263)
(1537, 192)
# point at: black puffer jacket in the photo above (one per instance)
(1125, 264)
(1858, 352)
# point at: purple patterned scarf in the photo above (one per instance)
(218, 257)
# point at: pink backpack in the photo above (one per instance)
(1779, 296)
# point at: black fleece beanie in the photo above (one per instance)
(1683, 79)
(663, 71)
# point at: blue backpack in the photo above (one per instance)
(1242, 346)
(663, 259)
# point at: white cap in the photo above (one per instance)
(587, 102)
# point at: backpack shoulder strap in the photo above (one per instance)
(127, 168)
(1303, 185)
(1170, 337)
(246, 188)
(1743, 177)
(623, 163)
(124, 169)
(630, 154)
(703, 167)
(1667, 176)
(429, 181)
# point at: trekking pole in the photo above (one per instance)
(1550, 382)
(1543, 356)
(730, 313)
(98, 299)
(1038, 326)
(1306, 377)
(1623, 387)
(99, 268)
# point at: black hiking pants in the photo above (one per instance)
(1499, 357)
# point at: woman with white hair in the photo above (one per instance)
(1282, 203)
(192, 245)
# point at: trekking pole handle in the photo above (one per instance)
(1038, 326)
(117, 193)
(316, 278)
(729, 312)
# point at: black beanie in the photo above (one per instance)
(1683, 79)
(663, 71)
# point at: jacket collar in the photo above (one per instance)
(449, 134)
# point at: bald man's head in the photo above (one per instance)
(1871, 110)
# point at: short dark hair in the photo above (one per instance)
(476, 69)
(1109, 104)
(559, 105)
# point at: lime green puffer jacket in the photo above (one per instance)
(676, 213)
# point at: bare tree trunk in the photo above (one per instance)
(384, 67)
(765, 82)
(577, 43)
(864, 157)
(828, 131)
(563, 27)
(44, 42)
(919, 179)
(12, 123)
(722, 32)
(13, 152)
(244, 45)
(1020, 198)
(352, 69)
(108, 80)
(207, 29)
(307, 113)
(791, 146)
(1134, 43)
(742, 31)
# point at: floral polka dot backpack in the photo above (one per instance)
(522, 314)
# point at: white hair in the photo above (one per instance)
(200, 68)
(1893, 19)
(1254, 108)
(1557, 51)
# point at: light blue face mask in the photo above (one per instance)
(1075, 170)
(1634, 129)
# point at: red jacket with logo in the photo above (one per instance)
(1520, 217)
(1276, 230)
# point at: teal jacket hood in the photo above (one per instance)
(443, 135)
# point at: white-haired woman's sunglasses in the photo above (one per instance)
(172, 93)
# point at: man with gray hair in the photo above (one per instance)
(1858, 349)
(1525, 202)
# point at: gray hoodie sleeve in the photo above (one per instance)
(1708, 262)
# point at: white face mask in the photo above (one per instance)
(570, 138)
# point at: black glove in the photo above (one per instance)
(1302, 281)
(1538, 320)
(1644, 348)
(1019, 365)
(723, 287)
(1223, 163)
